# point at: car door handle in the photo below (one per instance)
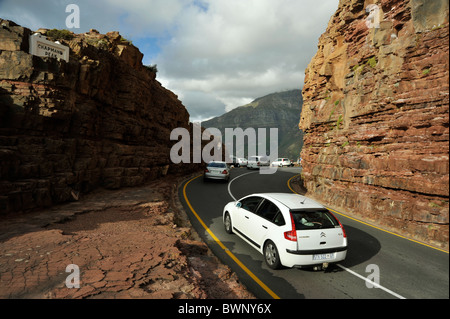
(247, 217)
(265, 227)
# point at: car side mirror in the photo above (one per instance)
(238, 204)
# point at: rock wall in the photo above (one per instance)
(376, 115)
(100, 120)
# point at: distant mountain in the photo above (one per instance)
(277, 110)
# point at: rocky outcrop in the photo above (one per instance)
(376, 115)
(66, 128)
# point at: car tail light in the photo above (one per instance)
(224, 171)
(292, 234)
(258, 163)
(206, 171)
(342, 227)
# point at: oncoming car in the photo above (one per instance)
(217, 170)
(290, 230)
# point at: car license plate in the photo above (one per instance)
(324, 256)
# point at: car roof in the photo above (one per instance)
(292, 201)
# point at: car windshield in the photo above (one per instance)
(220, 165)
(313, 219)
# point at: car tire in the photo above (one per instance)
(227, 223)
(271, 255)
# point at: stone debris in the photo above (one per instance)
(124, 249)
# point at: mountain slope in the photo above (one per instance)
(277, 110)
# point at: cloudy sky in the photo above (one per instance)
(214, 54)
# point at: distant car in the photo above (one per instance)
(288, 229)
(242, 161)
(282, 162)
(217, 170)
(257, 161)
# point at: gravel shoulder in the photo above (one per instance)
(127, 244)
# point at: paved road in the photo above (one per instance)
(406, 269)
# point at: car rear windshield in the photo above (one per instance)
(257, 158)
(221, 165)
(313, 219)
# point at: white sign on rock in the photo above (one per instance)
(40, 46)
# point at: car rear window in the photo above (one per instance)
(314, 219)
(221, 165)
(258, 158)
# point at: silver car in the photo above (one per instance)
(257, 162)
(217, 170)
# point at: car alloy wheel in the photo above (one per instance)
(271, 255)
(228, 224)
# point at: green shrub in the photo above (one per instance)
(56, 34)
(372, 62)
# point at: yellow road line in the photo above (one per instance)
(229, 253)
(367, 224)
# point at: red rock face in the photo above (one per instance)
(376, 114)
(101, 120)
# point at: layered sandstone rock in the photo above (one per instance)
(100, 120)
(376, 115)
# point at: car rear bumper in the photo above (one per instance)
(300, 258)
(216, 176)
(317, 251)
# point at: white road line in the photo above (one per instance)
(229, 184)
(371, 282)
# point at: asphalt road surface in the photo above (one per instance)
(379, 264)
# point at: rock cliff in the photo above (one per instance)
(376, 115)
(66, 128)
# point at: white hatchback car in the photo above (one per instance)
(280, 162)
(289, 230)
(242, 161)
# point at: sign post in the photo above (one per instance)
(40, 46)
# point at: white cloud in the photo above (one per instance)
(239, 50)
(214, 54)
